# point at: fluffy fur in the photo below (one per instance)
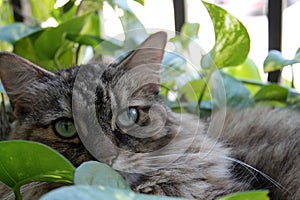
(255, 148)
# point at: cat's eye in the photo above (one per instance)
(127, 118)
(65, 127)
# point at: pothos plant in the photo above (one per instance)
(79, 29)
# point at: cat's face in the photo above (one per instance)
(124, 98)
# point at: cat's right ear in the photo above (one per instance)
(16, 74)
(142, 65)
(149, 53)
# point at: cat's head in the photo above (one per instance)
(124, 97)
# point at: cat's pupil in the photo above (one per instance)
(65, 128)
(127, 118)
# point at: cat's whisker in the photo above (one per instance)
(278, 185)
(187, 156)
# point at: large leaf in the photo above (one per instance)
(275, 61)
(96, 173)
(227, 91)
(50, 47)
(272, 94)
(247, 72)
(13, 32)
(253, 195)
(232, 41)
(22, 162)
(83, 192)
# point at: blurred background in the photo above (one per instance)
(159, 14)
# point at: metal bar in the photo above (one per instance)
(179, 14)
(17, 8)
(275, 32)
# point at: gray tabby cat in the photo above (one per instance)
(257, 148)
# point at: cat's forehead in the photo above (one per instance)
(50, 97)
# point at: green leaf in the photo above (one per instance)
(246, 71)
(275, 61)
(192, 89)
(14, 32)
(83, 192)
(50, 47)
(96, 173)
(134, 30)
(173, 66)
(252, 195)
(293, 100)
(6, 12)
(107, 48)
(232, 41)
(272, 92)
(22, 162)
(189, 32)
(227, 91)
(41, 10)
(85, 39)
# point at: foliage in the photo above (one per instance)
(224, 77)
(21, 164)
(257, 195)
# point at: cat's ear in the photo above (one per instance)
(142, 66)
(147, 54)
(16, 74)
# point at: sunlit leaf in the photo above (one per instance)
(275, 61)
(252, 195)
(96, 173)
(41, 10)
(140, 2)
(191, 90)
(22, 162)
(232, 41)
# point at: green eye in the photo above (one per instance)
(127, 118)
(65, 127)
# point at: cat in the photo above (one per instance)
(156, 150)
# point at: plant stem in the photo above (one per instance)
(77, 54)
(252, 82)
(206, 81)
(17, 193)
(293, 77)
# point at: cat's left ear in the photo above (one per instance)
(17, 74)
